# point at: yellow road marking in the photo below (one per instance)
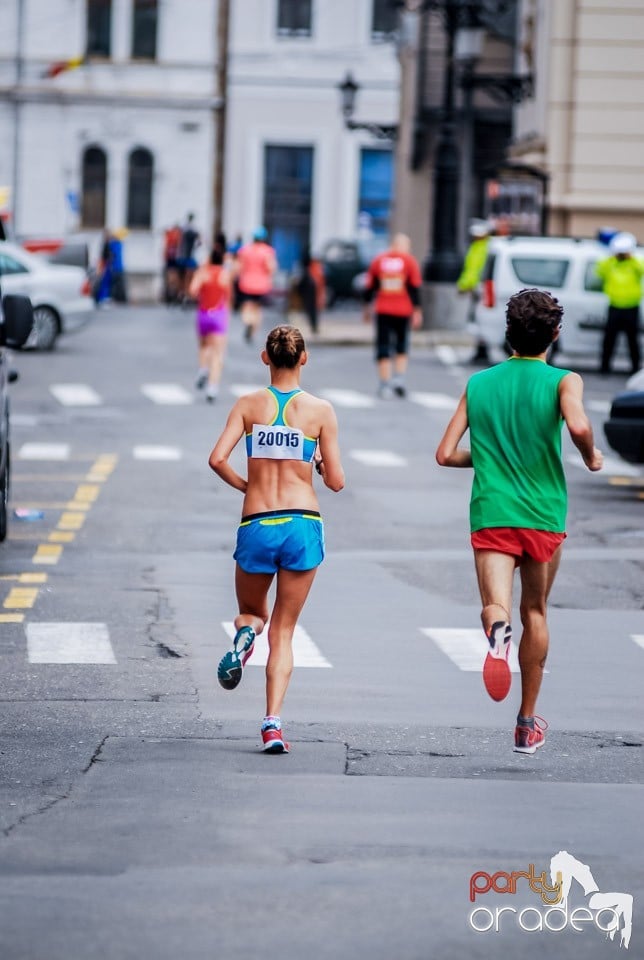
(47, 553)
(12, 617)
(25, 577)
(61, 536)
(626, 481)
(20, 597)
(78, 505)
(71, 521)
(87, 492)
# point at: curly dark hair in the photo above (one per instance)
(533, 320)
(284, 346)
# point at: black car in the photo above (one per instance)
(625, 428)
(16, 321)
(344, 260)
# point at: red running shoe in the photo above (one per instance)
(496, 669)
(527, 740)
(272, 736)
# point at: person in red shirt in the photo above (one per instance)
(393, 286)
(210, 286)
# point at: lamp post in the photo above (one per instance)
(348, 93)
(444, 262)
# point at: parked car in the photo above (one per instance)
(625, 428)
(60, 294)
(563, 266)
(71, 251)
(344, 261)
(16, 320)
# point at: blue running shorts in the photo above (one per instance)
(280, 539)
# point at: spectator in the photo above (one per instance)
(310, 288)
(469, 281)
(171, 269)
(190, 240)
(621, 275)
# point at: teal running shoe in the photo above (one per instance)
(231, 665)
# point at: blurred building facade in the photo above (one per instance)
(585, 124)
(108, 111)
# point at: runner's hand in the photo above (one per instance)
(597, 460)
(417, 318)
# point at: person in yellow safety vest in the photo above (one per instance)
(469, 280)
(621, 275)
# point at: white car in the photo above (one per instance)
(564, 267)
(60, 295)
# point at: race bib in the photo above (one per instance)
(277, 442)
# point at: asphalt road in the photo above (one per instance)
(139, 818)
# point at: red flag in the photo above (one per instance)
(60, 66)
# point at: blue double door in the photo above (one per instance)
(288, 191)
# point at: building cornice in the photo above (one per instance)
(108, 98)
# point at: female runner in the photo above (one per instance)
(286, 431)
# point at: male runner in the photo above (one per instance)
(518, 504)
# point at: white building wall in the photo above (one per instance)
(281, 91)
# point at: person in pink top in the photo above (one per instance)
(211, 286)
(256, 264)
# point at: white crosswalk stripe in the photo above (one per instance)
(44, 451)
(613, 467)
(378, 458)
(446, 354)
(434, 401)
(305, 652)
(466, 647)
(349, 398)
(167, 394)
(75, 394)
(151, 452)
(69, 643)
(242, 389)
(638, 638)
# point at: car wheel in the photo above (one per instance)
(4, 498)
(45, 329)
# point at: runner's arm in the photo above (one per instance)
(197, 282)
(571, 393)
(328, 463)
(230, 437)
(448, 453)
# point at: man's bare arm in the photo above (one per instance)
(448, 453)
(571, 393)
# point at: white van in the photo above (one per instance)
(562, 266)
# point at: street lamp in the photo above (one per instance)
(464, 32)
(348, 93)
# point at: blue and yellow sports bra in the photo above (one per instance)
(277, 440)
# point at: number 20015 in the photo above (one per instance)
(266, 438)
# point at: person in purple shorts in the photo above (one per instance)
(211, 288)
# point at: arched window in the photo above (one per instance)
(139, 189)
(94, 182)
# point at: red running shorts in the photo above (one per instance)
(519, 542)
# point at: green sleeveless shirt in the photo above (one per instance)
(515, 437)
